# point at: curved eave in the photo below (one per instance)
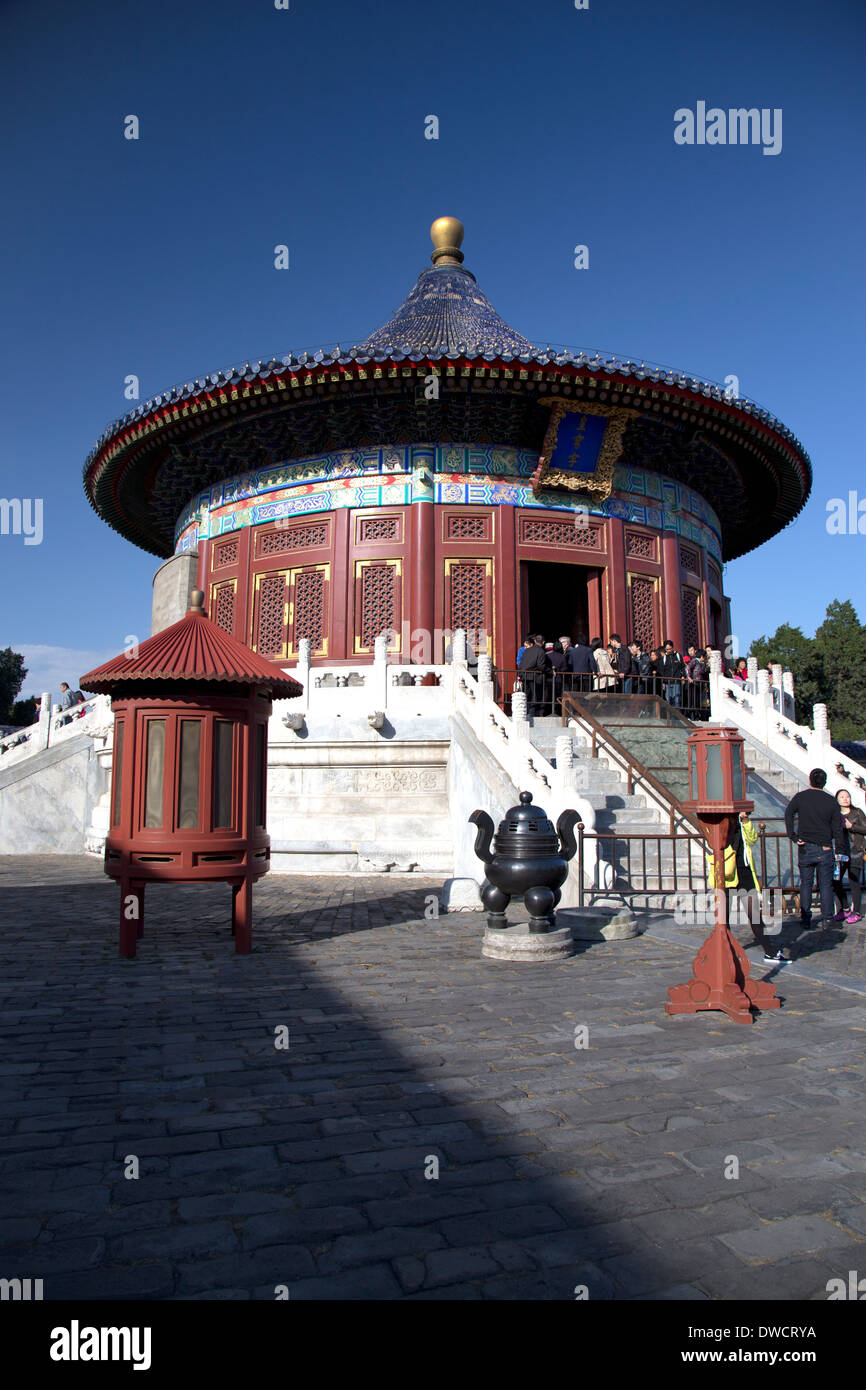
(137, 441)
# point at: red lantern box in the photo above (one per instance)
(189, 773)
(717, 793)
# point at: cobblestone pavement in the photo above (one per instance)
(313, 1168)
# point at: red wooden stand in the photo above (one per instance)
(722, 978)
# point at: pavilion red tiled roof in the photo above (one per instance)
(194, 649)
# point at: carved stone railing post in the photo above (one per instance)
(458, 647)
(788, 704)
(379, 677)
(752, 671)
(820, 725)
(42, 732)
(303, 674)
(519, 714)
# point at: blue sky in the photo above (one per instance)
(306, 127)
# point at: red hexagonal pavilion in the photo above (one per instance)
(188, 792)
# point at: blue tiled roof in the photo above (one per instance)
(447, 312)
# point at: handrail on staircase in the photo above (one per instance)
(635, 770)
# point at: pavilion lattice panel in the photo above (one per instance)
(271, 615)
(643, 612)
(691, 618)
(373, 529)
(467, 528)
(226, 553)
(639, 545)
(223, 605)
(378, 601)
(714, 574)
(303, 536)
(309, 608)
(469, 595)
(689, 559)
(542, 531)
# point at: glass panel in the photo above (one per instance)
(260, 778)
(715, 778)
(738, 774)
(187, 793)
(117, 765)
(154, 772)
(222, 772)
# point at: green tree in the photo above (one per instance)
(24, 712)
(841, 643)
(799, 654)
(13, 673)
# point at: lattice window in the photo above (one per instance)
(309, 612)
(378, 528)
(689, 559)
(225, 554)
(467, 528)
(691, 619)
(715, 574)
(271, 638)
(300, 537)
(640, 545)
(643, 626)
(540, 531)
(378, 602)
(223, 606)
(468, 597)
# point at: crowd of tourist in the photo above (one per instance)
(548, 669)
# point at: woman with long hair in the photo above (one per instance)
(606, 678)
(854, 822)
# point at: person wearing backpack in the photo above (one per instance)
(672, 671)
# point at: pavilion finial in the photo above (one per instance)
(446, 234)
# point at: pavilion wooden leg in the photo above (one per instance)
(242, 916)
(131, 916)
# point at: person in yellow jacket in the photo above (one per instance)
(741, 873)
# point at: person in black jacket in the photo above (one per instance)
(533, 665)
(819, 828)
(672, 669)
(646, 670)
(581, 663)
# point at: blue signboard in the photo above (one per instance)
(578, 443)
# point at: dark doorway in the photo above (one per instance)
(556, 599)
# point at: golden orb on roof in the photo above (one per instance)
(446, 233)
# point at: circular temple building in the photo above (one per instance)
(447, 473)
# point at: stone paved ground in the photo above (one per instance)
(558, 1166)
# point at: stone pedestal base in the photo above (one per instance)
(603, 923)
(517, 943)
(460, 895)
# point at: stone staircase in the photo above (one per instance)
(642, 863)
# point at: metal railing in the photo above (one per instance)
(652, 872)
(544, 690)
(638, 869)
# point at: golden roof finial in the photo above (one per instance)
(446, 234)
